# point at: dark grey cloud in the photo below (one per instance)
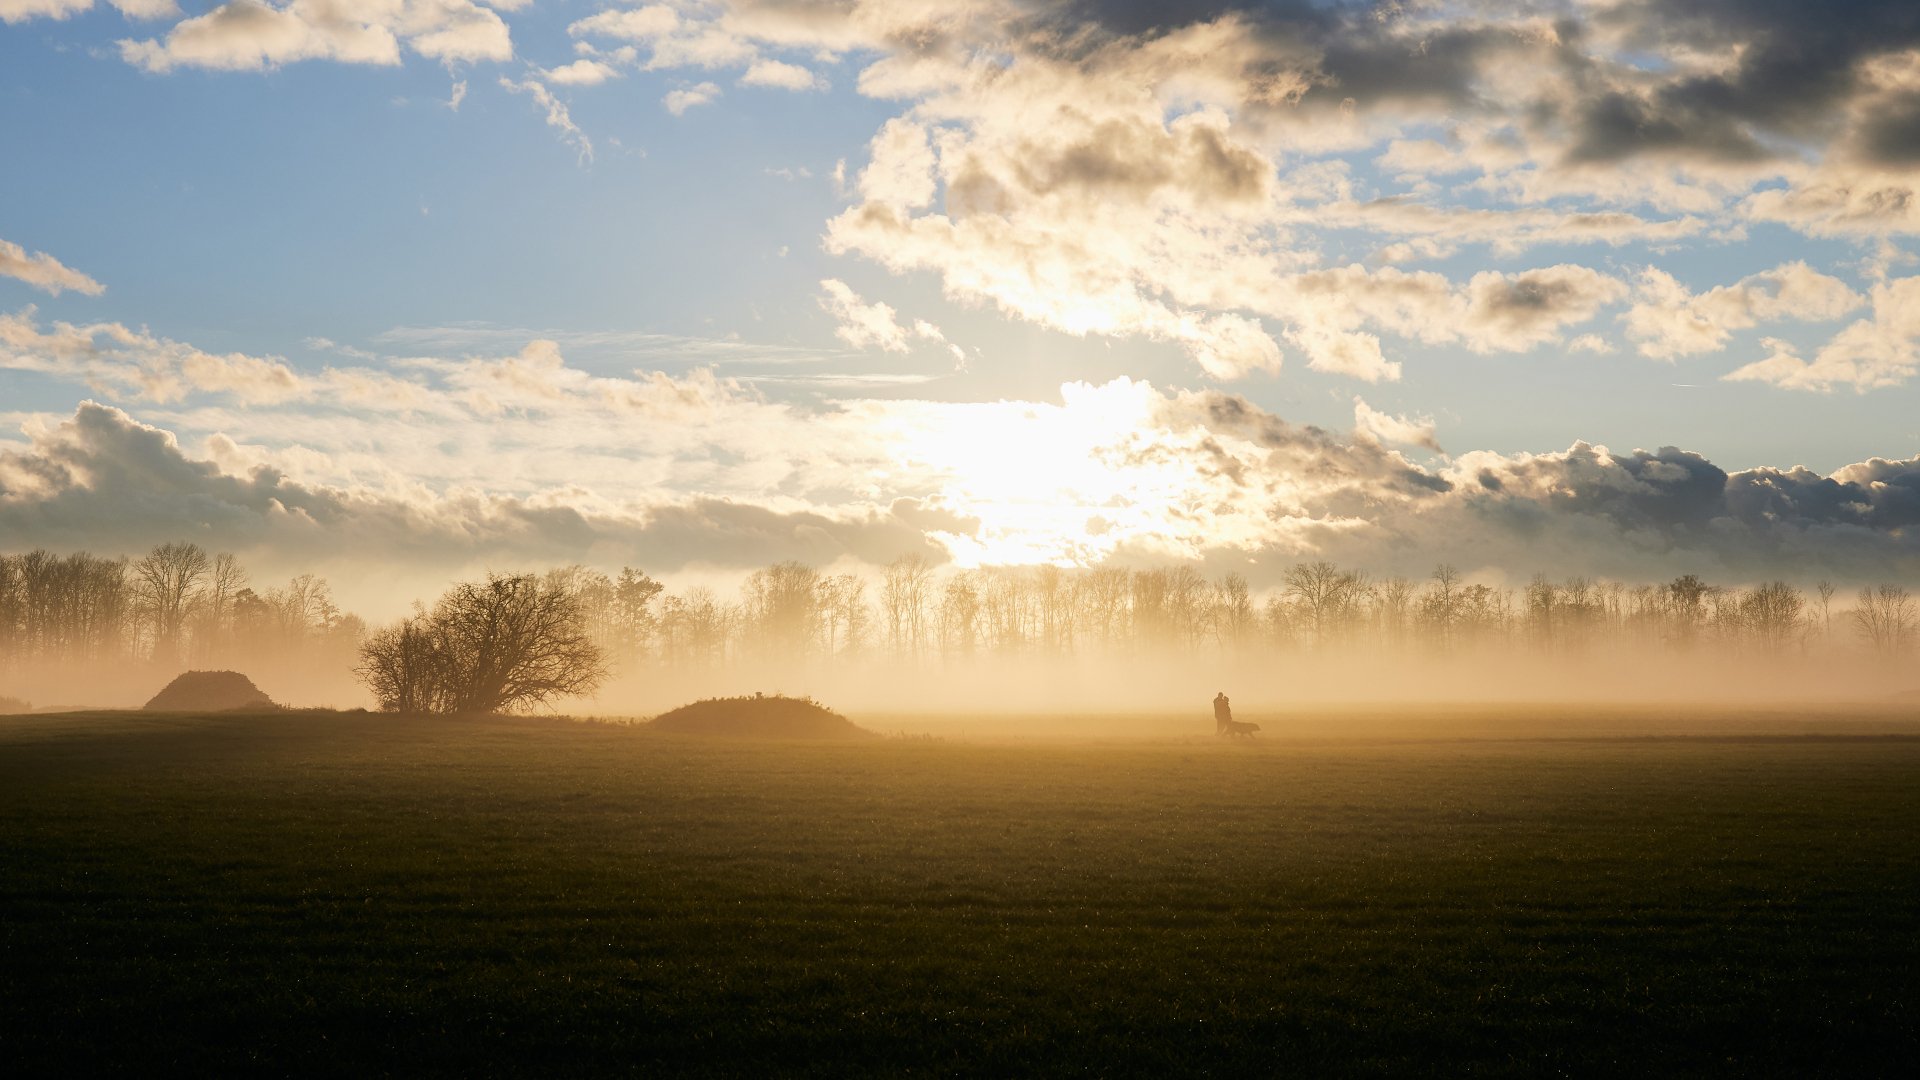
(1798, 67)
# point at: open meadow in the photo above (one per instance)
(1444, 892)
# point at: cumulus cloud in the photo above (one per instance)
(1112, 169)
(16, 11)
(1371, 423)
(1868, 354)
(102, 480)
(1668, 320)
(781, 76)
(585, 71)
(249, 35)
(679, 101)
(44, 272)
(1180, 173)
(110, 357)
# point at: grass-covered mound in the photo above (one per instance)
(210, 691)
(774, 717)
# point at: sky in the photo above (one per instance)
(398, 289)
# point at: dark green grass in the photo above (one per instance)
(315, 894)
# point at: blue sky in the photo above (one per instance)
(1305, 208)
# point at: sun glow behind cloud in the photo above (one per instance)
(1066, 484)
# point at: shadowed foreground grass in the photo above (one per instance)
(345, 894)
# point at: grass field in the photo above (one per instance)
(348, 894)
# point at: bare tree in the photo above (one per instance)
(1440, 605)
(1104, 596)
(1886, 619)
(903, 594)
(1055, 593)
(1772, 613)
(693, 628)
(1686, 596)
(1233, 614)
(782, 607)
(507, 643)
(169, 582)
(1323, 592)
(959, 613)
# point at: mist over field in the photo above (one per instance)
(913, 638)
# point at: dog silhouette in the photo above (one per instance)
(1239, 727)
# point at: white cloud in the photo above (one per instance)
(1371, 423)
(557, 117)
(249, 35)
(146, 9)
(44, 272)
(109, 357)
(782, 76)
(1669, 320)
(860, 324)
(16, 11)
(1867, 354)
(679, 101)
(583, 72)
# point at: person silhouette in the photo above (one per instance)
(1222, 713)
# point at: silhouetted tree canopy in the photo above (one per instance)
(509, 642)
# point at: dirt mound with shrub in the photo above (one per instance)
(210, 691)
(761, 717)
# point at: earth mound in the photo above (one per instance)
(210, 691)
(774, 717)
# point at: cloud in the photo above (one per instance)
(860, 324)
(110, 357)
(16, 11)
(1183, 173)
(1867, 354)
(250, 35)
(585, 71)
(781, 76)
(44, 272)
(1514, 312)
(719, 478)
(875, 326)
(1370, 422)
(679, 101)
(558, 117)
(1493, 311)
(1669, 321)
(1110, 169)
(102, 480)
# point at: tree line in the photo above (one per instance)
(177, 605)
(914, 611)
(519, 639)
